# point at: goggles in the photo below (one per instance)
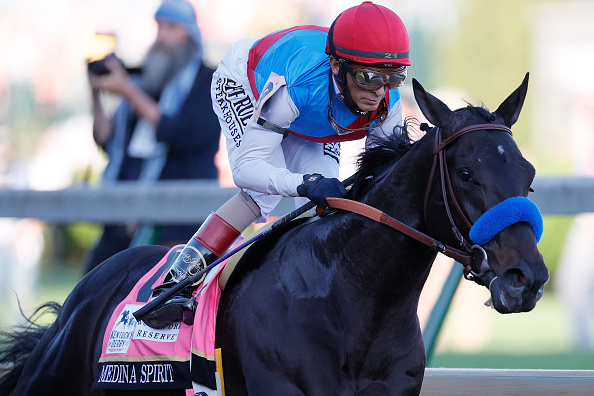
(341, 130)
(372, 78)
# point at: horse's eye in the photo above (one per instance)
(464, 175)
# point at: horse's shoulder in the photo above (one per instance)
(255, 255)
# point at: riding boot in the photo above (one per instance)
(208, 244)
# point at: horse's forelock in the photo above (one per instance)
(468, 115)
(480, 111)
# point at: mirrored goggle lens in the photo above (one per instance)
(372, 80)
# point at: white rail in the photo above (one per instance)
(495, 382)
(190, 202)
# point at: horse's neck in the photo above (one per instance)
(399, 262)
(383, 276)
(401, 193)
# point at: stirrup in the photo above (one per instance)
(208, 243)
(171, 311)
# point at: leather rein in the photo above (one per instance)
(467, 256)
(378, 216)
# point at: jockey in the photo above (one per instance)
(285, 102)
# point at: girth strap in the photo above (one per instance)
(381, 217)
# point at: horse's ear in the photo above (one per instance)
(511, 107)
(432, 108)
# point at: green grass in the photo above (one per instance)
(555, 361)
(57, 283)
(540, 339)
(546, 329)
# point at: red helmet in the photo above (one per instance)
(369, 34)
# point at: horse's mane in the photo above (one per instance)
(384, 153)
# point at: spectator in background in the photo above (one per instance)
(165, 127)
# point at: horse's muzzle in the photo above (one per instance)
(518, 288)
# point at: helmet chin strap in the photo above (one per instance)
(341, 80)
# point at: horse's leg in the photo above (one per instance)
(63, 362)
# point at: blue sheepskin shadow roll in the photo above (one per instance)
(508, 212)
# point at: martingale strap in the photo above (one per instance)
(512, 210)
(381, 217)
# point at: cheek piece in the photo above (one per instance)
(511, 211)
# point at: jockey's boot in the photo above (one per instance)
(210, 242)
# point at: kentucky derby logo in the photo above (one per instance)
(123, 330)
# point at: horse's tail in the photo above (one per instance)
(16, 345)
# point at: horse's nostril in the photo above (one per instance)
(515, 278)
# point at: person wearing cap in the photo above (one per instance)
(285, 102)
(165, 127)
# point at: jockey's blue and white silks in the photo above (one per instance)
(511, 211)
(269, 165)
(298, 55)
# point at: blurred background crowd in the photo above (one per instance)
(461, 50)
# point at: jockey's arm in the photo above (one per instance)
(260, 165)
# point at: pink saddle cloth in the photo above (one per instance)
(135, 356)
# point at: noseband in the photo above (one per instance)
(439, 157)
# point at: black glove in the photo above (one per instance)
(317, 188)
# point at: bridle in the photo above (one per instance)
(439, 158)
(469, 255)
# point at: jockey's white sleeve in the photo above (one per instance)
(260, 164)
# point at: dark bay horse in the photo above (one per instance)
(330, 306)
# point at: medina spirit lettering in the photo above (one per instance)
(127, 373)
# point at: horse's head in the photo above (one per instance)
(482, 180)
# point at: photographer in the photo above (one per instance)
(165, 127)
